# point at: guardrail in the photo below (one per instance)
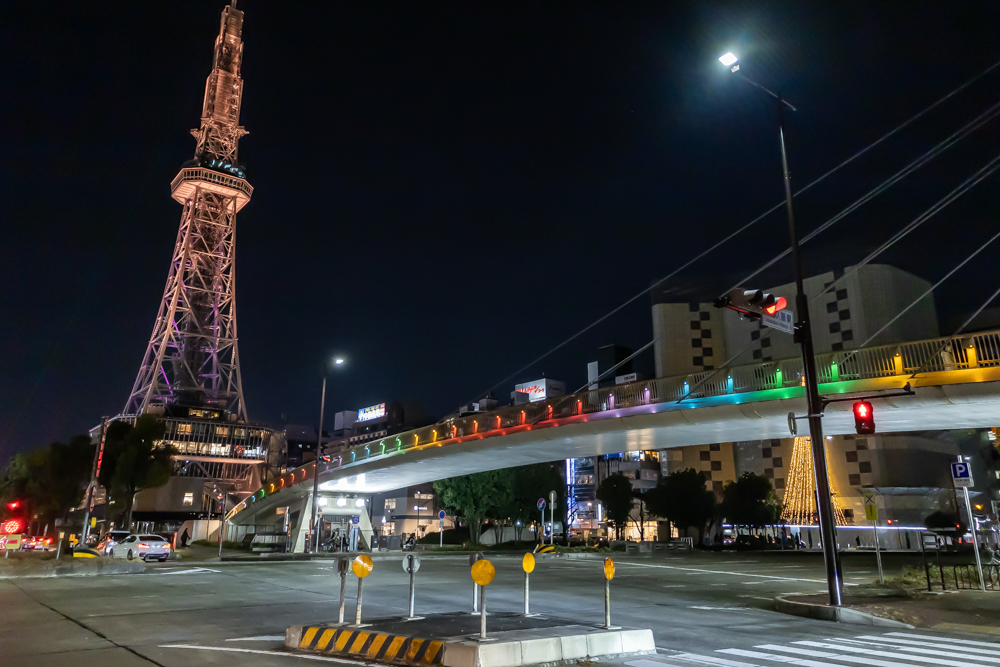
(897, 360)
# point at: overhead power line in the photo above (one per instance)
(745, 227)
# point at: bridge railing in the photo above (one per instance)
(896, 360)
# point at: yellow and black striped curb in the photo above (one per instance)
(376, 646)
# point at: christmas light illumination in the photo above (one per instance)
(799, 506)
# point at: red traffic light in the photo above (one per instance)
(779, 304)
(864, 418)
(13, 505)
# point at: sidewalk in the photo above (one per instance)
(972, 612)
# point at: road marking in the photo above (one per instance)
(259, 638)
(965, 642)
(883, 654)
(665, 586)
(696, 570)
(279, 654)
(195, 570)
(933, 644)
(722, 608)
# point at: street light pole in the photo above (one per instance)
(803, 335)
(827, 520)
(319, 448)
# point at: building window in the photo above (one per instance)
(184, 429)
(390, 504)
(222, 431)
(188, 499)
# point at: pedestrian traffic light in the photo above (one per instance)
(864, 418)
(751, 303)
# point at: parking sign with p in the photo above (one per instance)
(961, 474)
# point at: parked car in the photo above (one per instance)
(146, 547)
(37, 543)
(110, 539)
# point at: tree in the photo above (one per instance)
(529, 483)
(615, 493)
(471, 497)
(682, 499)
(750, 501)
(134, 459)
(51, 480)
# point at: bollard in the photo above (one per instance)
(411, 564)
(528, 565)
(342, 569)
(482, 573)
(609, 574)
(362, 567)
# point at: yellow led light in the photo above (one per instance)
(799, 505)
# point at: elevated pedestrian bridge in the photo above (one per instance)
(956, 381)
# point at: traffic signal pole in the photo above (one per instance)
(827, 521)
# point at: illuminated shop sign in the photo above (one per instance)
(539, 390)
(370, 413)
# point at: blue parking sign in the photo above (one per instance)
(961, 474)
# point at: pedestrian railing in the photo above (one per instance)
(966, 577)
(901, 360)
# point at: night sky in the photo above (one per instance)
(445, 190)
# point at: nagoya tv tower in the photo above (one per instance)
(192, 359)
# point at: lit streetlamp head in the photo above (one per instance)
(730, 61)
(338, 362)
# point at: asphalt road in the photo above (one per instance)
(212, 613)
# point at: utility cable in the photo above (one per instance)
(739, 231)
(960, 190)
(939, 148)
(960, 330)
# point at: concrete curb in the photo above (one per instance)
(78, 568)
(837, 614)
(466, 652)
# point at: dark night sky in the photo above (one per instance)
(445, 190)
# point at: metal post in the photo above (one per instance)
(475, 599)
(607, 603)
(343, 586)
(923, 557)
(411, 568)
(482, 616)
(222, 528)
(827, 521)
(357, 615)
(526, 592)
(93, 480)
(975, 540)
(878, 552)
(552, 520)
(319, 450)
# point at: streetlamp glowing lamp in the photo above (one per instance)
(728, 59)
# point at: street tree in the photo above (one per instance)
(615, 493)
(50, 480)
(749, 501)
(472, 497)
(134, 459)
(682, 499)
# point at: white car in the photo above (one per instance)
(146, 547)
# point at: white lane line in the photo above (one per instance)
(814, 663)
(712, 660)
(966, 642)
(277, 654)
(260, 638)
(196, 570)
(951, 649)
(889, 654)
(696, 570)
(721, 608)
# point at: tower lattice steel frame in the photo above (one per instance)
(193, 357)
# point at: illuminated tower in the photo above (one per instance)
(192, 359)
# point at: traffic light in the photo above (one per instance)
(864, 418)
(13, 505)
(751, 303)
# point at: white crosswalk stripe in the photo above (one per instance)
(891, 649)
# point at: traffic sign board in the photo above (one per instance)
(541, 503)
(961, 474)
(871, 512)
(441, 515)
(783, 320)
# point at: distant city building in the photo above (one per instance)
(538, 390)
(693, 337)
